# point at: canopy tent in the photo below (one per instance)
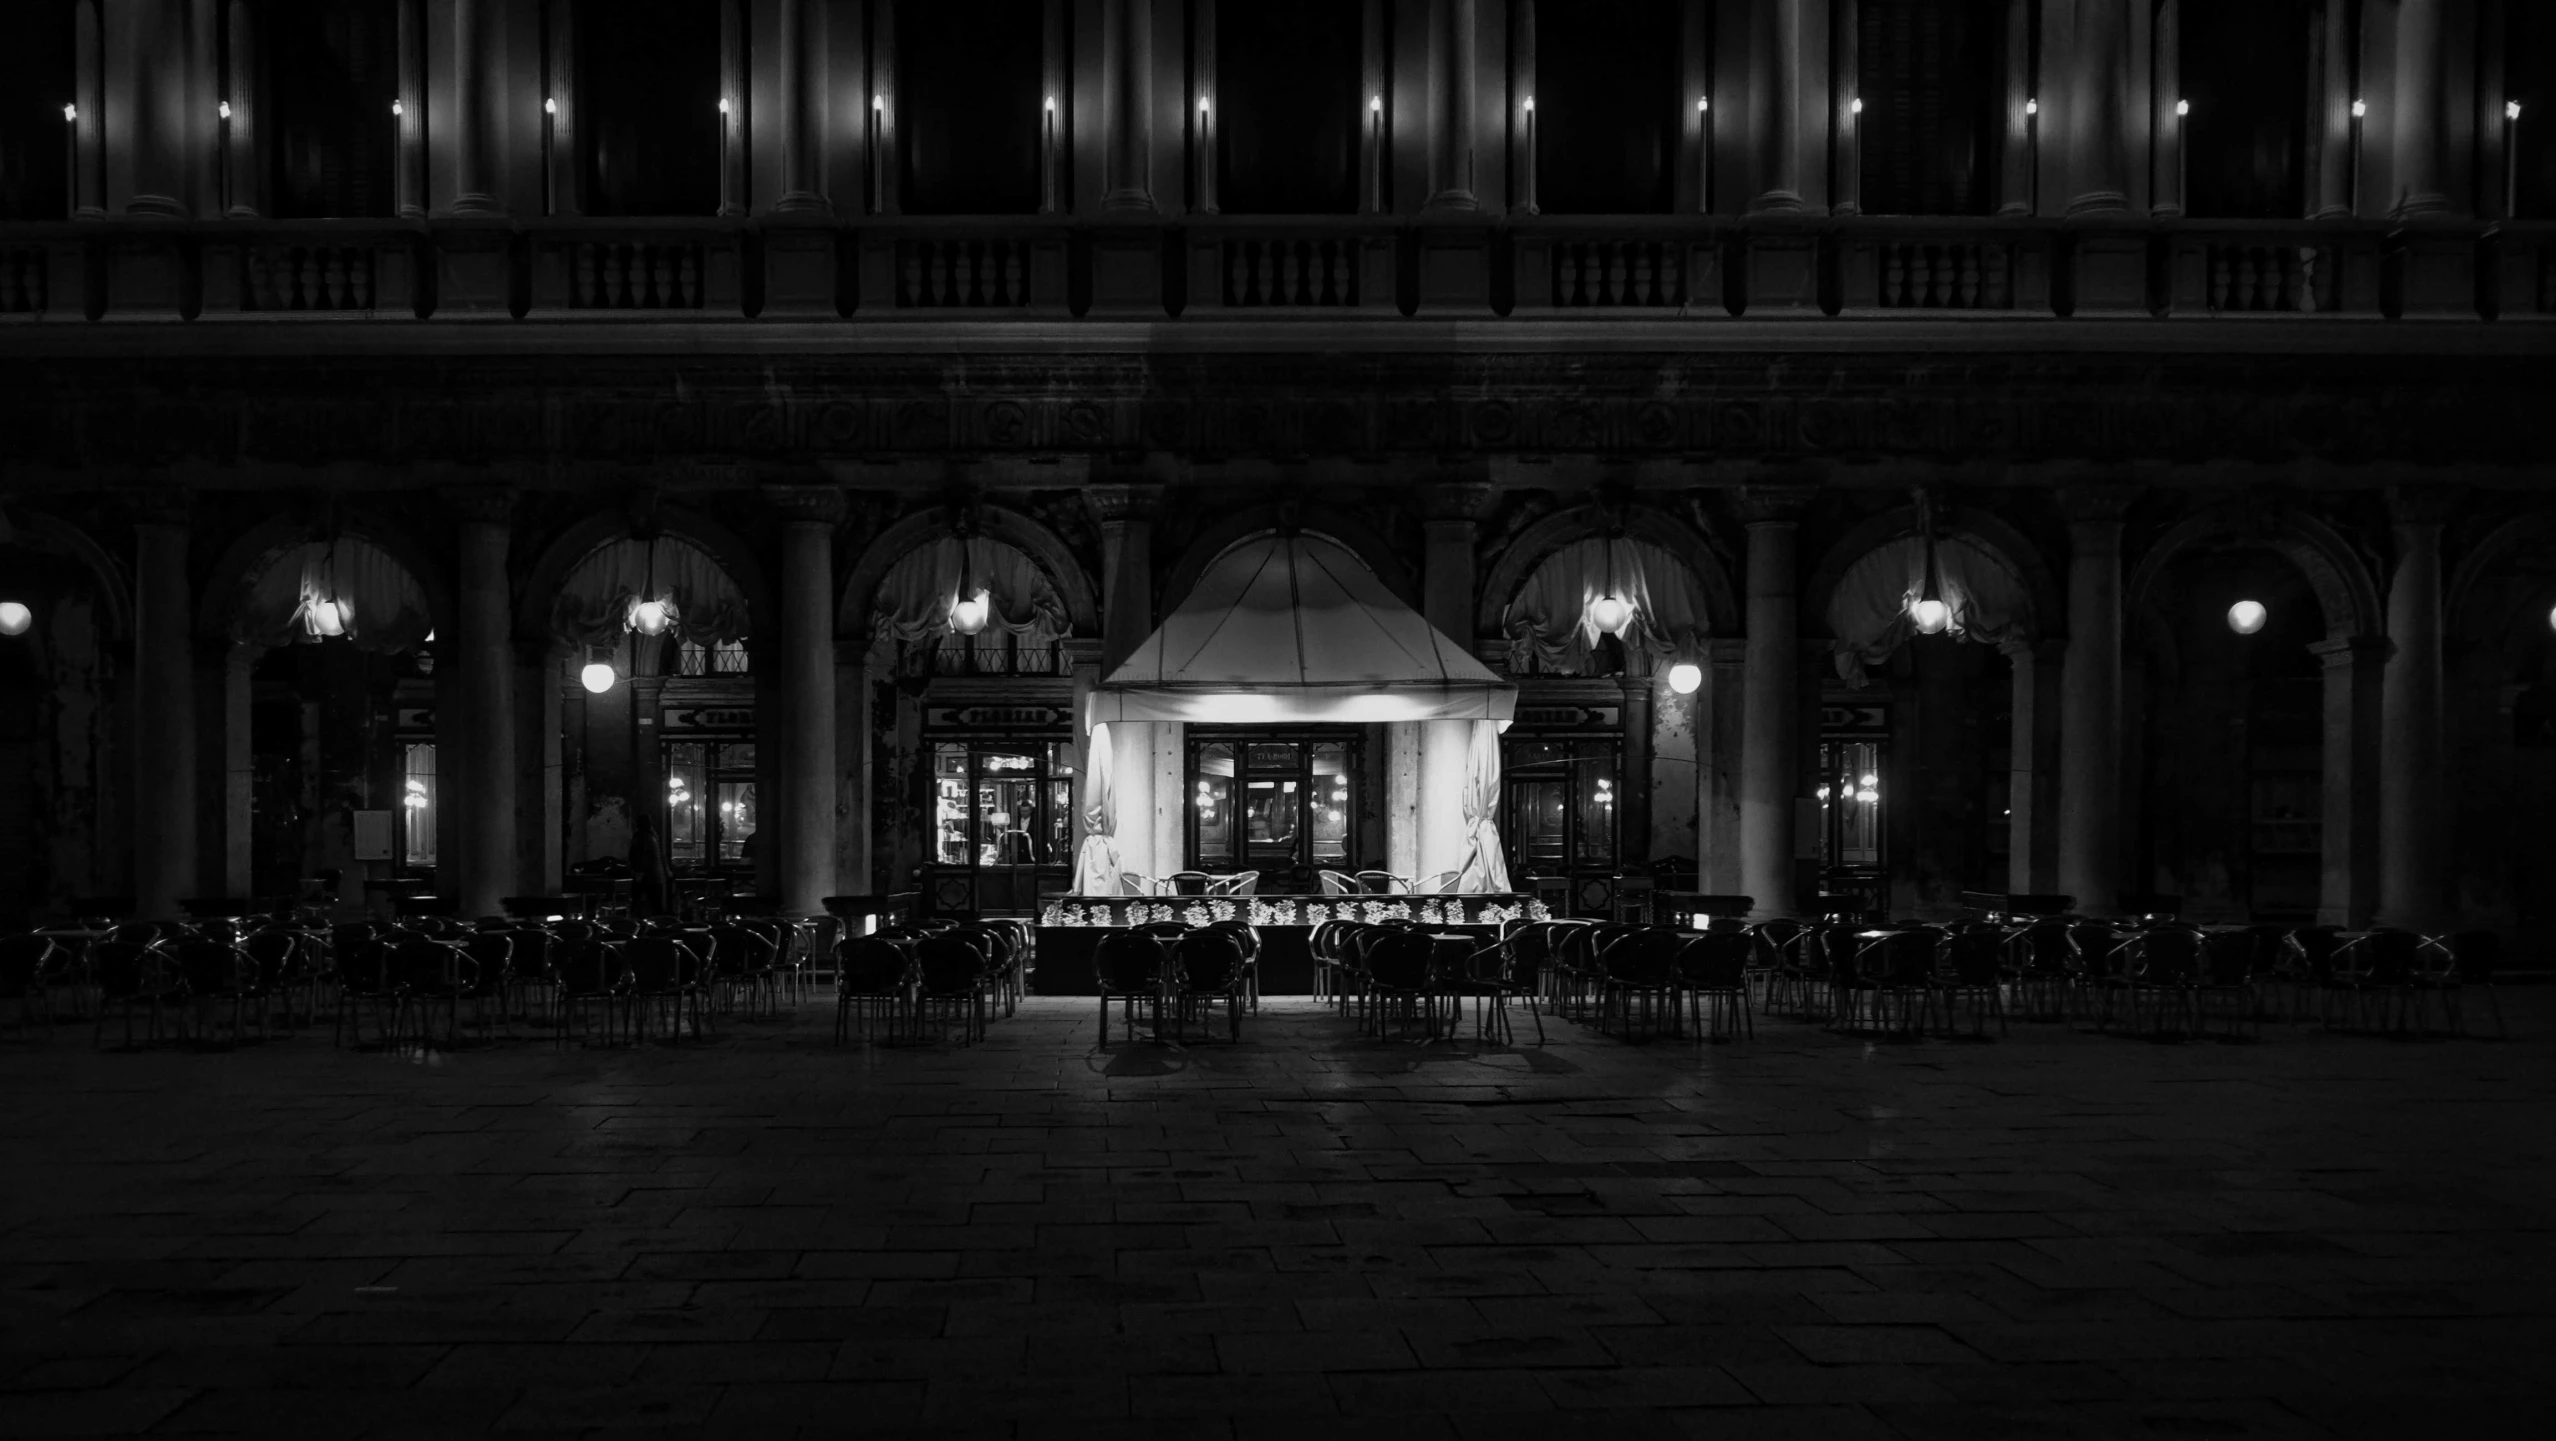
(1297, 629)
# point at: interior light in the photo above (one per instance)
(650, 617)
(15, 618)
(224, 109)
(326, 617)
(1685, 676)
(1856, 105)
(597, 677)
(2031, 106)
(1869, 781)
(2183, 107)
(1931, 616)
(1610, 614)
(70, 112)
(2360, 108)
(2511, 110)
(397, 108)
(1823, 792)
(968, 616)
(550, 106)
(2247, 616)
(2551, 619)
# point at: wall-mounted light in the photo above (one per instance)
(550, 106)
(70, 114)
(397, 108)
(1051, 103)
(1685, 677)
(2360, 109)
(2551, 619)
(2247, 616)
(1530, 105)
(723, 104)
(223, 109)
(1703, 103)
(1855, 106)
(597, 677)
(1202, 104)
(15, 618)
(2182, 108)
(2032, 106)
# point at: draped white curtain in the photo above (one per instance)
(380, 606)
(1486, 868)
(1868, 612)
(915, 596)
(1548, 621)
(1096, 861)
(594, 602)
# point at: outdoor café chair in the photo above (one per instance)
(872, 985)
(1638, 966)
(1208, 967)
(950, 980)
(26, 967)
(1970, 965)
(1713, 968)
(666, 971)
(1127, 966)
(1399, 980)
(2476, 955)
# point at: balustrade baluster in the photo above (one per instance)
(1968, 284)
(1996, 292)
(2312, 280)
(2218, 282)
(1016, 273)
(1235, 286)
(341, 289)
(914, 292)
(1894, 280)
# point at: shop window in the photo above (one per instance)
(1289, 112)
(417, 804)
(969, 106)
(710, 805)
(1002, 803)
(1283, 805)
(2245, 72)
(647, 101)
(1606, 107)
(331, 72)
(1930, 92)
(35, 83)
(1850, 805)
(1561, 798)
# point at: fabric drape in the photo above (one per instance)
(1486, 868)
(380, 606)
(1024, 610)
(1096, 861)
(1868, 612)
(594, 602)
(1548, 623)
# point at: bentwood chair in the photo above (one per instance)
(1127, 966)
(951, 975)
(26, 963)
(1337, 883)
(364, 982)
(1208, 966)
(1638, 968)
(131, 976)
(1399, 979)
(872, 985)
(217, 975)
(1971, 965)
(1712, 972)
(1191, 883)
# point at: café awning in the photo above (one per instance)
(1298, 629)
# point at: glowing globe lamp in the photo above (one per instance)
(651, 617)
(968, 616)
(15, 618)
(1610, 614)
(1931, 616)
(1685, 676)
(2247, 616)
(327, 617)
(597, 677)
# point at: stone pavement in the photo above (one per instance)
(1314, 1233)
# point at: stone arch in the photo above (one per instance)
(2476, 613)
(1043, 546)
(108, 582)
(1533, 545)
(247, 556)
(2344, 589)
(550, 570)
(1353, 536)
(2000, 538)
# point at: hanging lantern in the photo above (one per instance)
(1930, 615)
(15, 618)
(650, 614)
(325, 618)
(1929, 612)
(326, 612)
(1610, 613)
(1685, 677)
(2247, 616)
(597, 677)
(969, 613)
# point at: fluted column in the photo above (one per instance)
(1776, 67)
(473, 167)
(149, 83)
(2413, 774)
(2090, 702)
(1770, 715)
(477, 747)
(2165, 127)
(164, 789)
(807, 790)
(2423, 126)
(1451, 97)
(1127, 104)
(2330, 155)
(2098, 107)
(802, 90)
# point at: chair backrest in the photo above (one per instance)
(869, 966)
(1244, 936)
(1127, 961)
(1642, 955)
(424, 962)
(213, 967)
(1243, 883)
(656, 963)
(1190, 883)
(122, 968)
(1210, 960)
(22, 960)
(1382, 883)
(2045, 948)
(1132, 884)
(493, 952)
(950, 963)
(1436, 885)
(1975, 956)
(1164, 930)
(2230, 958)
(1778, 941)
(1334, 883)
(277, 954)
(1398, 960)
(1716, 960)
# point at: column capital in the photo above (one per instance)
(480, 504)
(2352, 650)
(1119, 504)
(1455, 500)
(1772, 504)
(2428, 506)
(807, 504)
(161, 505)
(2100, 503)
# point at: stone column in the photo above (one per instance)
(410, 164)
(2016, 189)
(243, 178)
(2165, 127)
(2349, 862)
(541, 669)
(473, 167)
(164, 839)
(476, 748)
(2423, 124)
(1450, 509)
(1776, 64)
(1451, 96)
(2090, 702)
(2330, 141)
(149, 140)
(1127, 104)
(2032, 837)
(1126, 515)
(2098, 108)
(802, 75)
(806, 853)
(1719, 722)
(239, 767)
(1770, 718)
(2413, 773)
(1633, 792)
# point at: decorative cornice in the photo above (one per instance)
(1119, 504)
(160, 505)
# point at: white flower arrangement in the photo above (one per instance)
(1052, 916)
(1431, 916)
(1399, 910)
(1195, 913)
(1222, 910)
(1537, 911)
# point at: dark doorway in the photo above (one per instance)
(2245, 72)
(1606, 108)
(648, 106)
(1287, 88)
(968, 100)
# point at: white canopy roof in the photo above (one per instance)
(1296, 628)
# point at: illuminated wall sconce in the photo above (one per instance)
(1685, 677)
(597, 677)
(2247, 616)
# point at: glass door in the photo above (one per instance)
(711, 811)
(1002, 822)
(1850, 815)
(1559, 815)
(1284, 806)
